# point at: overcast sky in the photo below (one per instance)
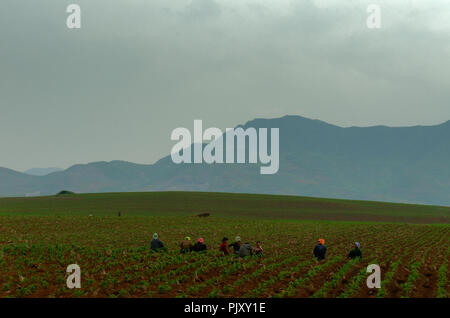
(137, 69)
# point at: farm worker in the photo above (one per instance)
(258, 250)
(320, 250)
(356, 252)
(200, 246)
(186, 245)
(224, 246)
(245, 250)
(236, 245)
(156, 244)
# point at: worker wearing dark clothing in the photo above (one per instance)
(199, 246)
(320, 250)
(236, 245)
(156, 244)
(356, 252)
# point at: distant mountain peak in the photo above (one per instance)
(41, 171)
(287, 120)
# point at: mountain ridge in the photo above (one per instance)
(381, 163)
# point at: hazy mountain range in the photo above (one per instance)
(399, 164)
(41, 171)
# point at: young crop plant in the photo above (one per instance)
(393, 268)
(302, 281)
(415, 266)
(442, 282)
(355, 284)
(335, 279)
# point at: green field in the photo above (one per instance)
(224, 205)
(41, 236)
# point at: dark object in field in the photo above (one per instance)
(245, 250)
(65, 192)
(224, 246)
(258, 250)
(120, 213)
(186, 245)
(356, 252)
(200, 246)
(320, 250)
(156, 244)
(203, 215)
(236, 245)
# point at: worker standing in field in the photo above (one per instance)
(224, 246)
(320, 250)
(200, 246)
(356, 252)
(156, 244)
(236, 245)
(186, 245)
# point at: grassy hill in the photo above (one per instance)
(224, 205)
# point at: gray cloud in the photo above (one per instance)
(138, 69)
